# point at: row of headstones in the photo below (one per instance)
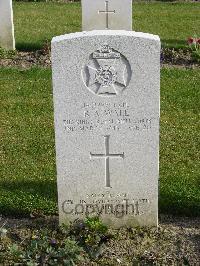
(120, 17)
(106, 87)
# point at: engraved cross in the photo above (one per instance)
(107, 12)
(107, 157)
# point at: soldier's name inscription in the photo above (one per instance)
(115, 116)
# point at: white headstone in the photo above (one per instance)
(106, 14)
(7, 40)
(106, 99)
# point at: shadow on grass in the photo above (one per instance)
(180, 206)
(29, 47)
(21, 198)
(173, 43)
(32, 47)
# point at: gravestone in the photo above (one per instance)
(106, 103)
(7, 40)
(106, 14)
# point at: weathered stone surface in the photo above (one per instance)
(7, 40)
(111, 14)
(106, 98)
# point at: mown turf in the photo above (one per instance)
(28, 168)
(28, 176)
(180, 142)
(37, 22)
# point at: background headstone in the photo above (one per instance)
(110, 14)
(7, 40)
(106, 99)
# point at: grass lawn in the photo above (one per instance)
(28, 169)
(28, 176)
(180, 142)
(37, 22)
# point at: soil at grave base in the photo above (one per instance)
(176, 242)
(24, 60)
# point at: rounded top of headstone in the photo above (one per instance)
(106, 33)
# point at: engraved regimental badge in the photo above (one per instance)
(107, 72)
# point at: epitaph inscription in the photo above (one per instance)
(107, 73)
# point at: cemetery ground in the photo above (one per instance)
(28, 193)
